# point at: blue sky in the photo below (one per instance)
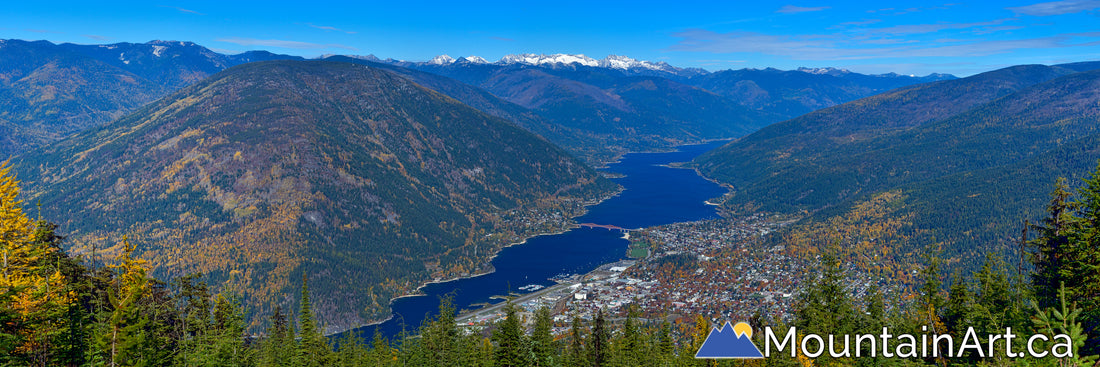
(956, 37)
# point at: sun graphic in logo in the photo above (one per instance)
(742, 329)
(730, 341)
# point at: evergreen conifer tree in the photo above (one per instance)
(1051, 246)
(508, 335)
(544, 348)
(578, 355)
(599, 349)
(312, 349)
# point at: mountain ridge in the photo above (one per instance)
(273, 170)
(894, 177)
(619, 62)
(53, 90)
(594, 121)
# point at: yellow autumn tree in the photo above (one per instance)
(15, 227)
(33, 293)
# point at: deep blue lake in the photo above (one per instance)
(653, 195)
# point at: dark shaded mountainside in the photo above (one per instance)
(790, 93)
(955, 164)
(600, 112)
(50, 91)
(359, 178)
(480, 99)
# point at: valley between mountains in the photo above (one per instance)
(371, 177)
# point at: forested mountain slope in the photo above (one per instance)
(604, 112)
(954, 165)
(50, 91)
(359, 178)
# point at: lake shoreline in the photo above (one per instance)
(565, 249)
(417, 292)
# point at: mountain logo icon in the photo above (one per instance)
(730, 342)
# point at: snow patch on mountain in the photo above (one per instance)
(158, 50)
(474, 60)
(825, 71)
(172, 43)
(535, 59)
(626, 63)
(611, 62)
(442, 60)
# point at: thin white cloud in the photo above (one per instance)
(328, 28)
(894, 11)
(283, 44)
(97, 37)
(789, 9)
(700, 40)
(935, 27)
(182, 10)
(1003, 28)
(886, 41)
(986, 48)
(224, 51)
(857, 23)
(1056, 7)
(819, 47)
(956, 40)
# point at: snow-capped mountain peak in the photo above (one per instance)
(626, 63)
(610, 62)
(172, 43)
(535, 59)
(473, 60)
(441, 60)
(825, 71)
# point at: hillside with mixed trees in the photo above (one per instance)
(791, 93)
(485, 102)
(600, 109)
(61, 310)
(359, 178)
(605, 112)
(50, 91)
(960, 164)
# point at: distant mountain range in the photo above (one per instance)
(623, 63)
(970, 158)
(618, 104)
(605, 111)
(796, 92)
(596, 109)
(50, 91)
(355, 176)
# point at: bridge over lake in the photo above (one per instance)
(607, 227)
